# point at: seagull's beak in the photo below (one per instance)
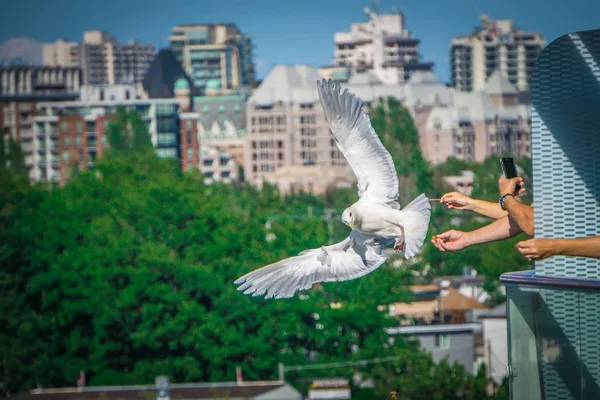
(351, 224)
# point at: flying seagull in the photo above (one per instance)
(376, 219)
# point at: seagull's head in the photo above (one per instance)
(349, 217)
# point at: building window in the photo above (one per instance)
(208, 162)
(167, 153)
(189, 138)
(437, 138)
(225, 174)
(442, 341)
(67, 140)
(166, 139)
(188, 124)
(79, 126)
(65, 156)
(63, 126)
(165, 109)
(209, 174)
(78, 140)
(190, 154)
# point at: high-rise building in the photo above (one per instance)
(494, 45)
(214, 51)
(21, 89)
(103, 61)
(382, 46)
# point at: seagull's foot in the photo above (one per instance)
(399, 244)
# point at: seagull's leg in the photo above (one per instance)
(399, 244)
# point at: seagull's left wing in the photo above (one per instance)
(356, 256)
(357, 140)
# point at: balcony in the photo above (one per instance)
(553, 333)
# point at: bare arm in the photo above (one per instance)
(522, 214)
(488, 209)
(500, 229)
(539, 249)
(459, 201)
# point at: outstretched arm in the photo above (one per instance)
(500, 229)
(459, 201)
(539, 249)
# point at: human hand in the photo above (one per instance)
(457, 201)
(509, 185)
(537, 249)
(451, 240)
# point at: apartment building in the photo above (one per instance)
(286, 125)
(478, 124)
(73, 134)
(214, 51)
(381, 45)
(101, 58)
(22, 88)
(494, 45)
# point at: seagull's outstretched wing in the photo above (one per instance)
(355, 137)
(356, 256)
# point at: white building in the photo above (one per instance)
(381, 45)
(103, 61)
(494, 45)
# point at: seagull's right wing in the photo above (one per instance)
(356, 256)
(357, 140)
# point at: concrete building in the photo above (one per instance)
(456, 342)
(382, 45)
(494, 45)
(287, 126)
(475, 125)
(495, 341)
(102, 59)
(74, 133)
(214, 51)
(21, 89)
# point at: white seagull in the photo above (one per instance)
(376, 219)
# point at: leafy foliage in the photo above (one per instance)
(127, 273)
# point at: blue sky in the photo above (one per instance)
(289, 32)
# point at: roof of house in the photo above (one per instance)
(435, 328)
(497, 312)
(161, 75)
(498, 83)
(451, 299)
(223, 390)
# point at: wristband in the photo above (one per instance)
(502, 198)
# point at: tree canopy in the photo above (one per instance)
(127, 273)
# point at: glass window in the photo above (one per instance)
(165, 109)
(105, 139)
(188, 124)
(190, 154)
(208, 162)
(225, 174)
(78, 140)
(442, 341)
(65, 156)
(167, 153)
(166, 139)
(67, 140)
(79, 126)
(63, 126)
(166, 125)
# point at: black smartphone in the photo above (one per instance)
(508, 167)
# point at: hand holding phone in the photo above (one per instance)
(509, 169)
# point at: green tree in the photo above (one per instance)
(128, 131)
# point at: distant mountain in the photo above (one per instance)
(21, 51)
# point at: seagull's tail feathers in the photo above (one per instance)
(415, 220)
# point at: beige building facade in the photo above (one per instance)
(494, 45)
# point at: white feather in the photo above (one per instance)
(357, 140)
(356, 256)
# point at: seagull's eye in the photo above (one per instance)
(350, 215)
